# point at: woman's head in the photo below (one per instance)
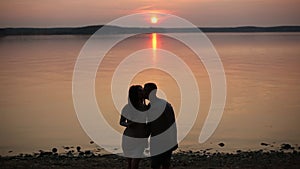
(136, 95)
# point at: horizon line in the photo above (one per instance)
(89, 30)
(93, 25)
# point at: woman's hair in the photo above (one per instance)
(134, 95)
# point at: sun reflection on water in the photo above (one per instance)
(154, 45)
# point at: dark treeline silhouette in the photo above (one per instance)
(88, 30)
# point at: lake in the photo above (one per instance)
(263, 90)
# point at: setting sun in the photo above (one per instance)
(154, 19)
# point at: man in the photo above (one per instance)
(162, 128)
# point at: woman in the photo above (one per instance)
(135, 136)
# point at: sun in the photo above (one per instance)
(154, 19)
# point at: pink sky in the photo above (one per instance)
(53, 13)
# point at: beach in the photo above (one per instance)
(180, 160)
(270, 156)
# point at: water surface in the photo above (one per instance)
(263, 88)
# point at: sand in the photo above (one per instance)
(180, 160)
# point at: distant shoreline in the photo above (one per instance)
(89, 30)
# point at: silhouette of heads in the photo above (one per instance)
(136, 95)
(150, 89)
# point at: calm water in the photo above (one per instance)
(263, 90)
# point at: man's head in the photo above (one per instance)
(148, 88)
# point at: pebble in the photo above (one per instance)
(81, 154)
(286, 146)
(264, 144)
(78, 148)
(54, 150)
(45, 153)
(221, 144)
(87, 152)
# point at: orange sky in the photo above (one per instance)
(52, 13)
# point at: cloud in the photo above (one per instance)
(150, 9)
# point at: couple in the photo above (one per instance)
(157, 120)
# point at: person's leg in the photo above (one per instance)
(166, 163)
(129, 163)
(156, 162)
(135, 163)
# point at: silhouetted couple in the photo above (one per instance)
(155, 120)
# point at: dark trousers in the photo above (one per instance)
(163, 160)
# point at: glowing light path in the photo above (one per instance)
(154, 41)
